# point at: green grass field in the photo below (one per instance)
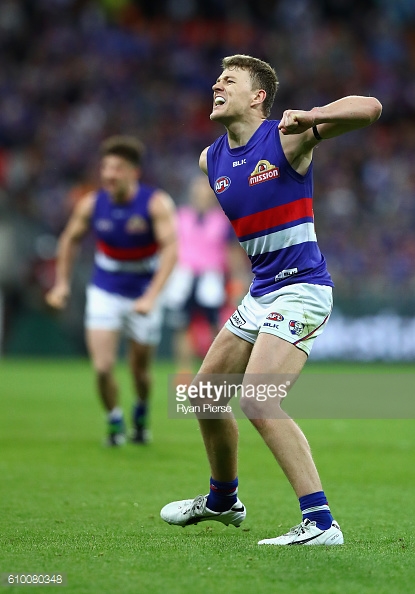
(69, 505)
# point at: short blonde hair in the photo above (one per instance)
(263, 76)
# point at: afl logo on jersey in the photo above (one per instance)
(222, 184)
(264, 171)
(104, 225)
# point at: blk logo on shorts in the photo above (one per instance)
(296, 328)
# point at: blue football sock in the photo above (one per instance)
(316, 509)
(222, 495)
(140, 414)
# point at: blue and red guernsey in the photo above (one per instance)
(270, 207)
(126, 248)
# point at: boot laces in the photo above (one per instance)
(197, 506)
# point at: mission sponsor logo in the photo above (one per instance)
(136, 224)
(222, 184)
(264, 171)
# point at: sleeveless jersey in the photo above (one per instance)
(270, 207)
(126, 248)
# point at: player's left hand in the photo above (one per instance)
(295, 121)
(143, 305)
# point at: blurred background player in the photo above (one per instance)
(136, 251)
(211, 269)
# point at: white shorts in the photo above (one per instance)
(208, 288)
(108, 311)
(297, 313)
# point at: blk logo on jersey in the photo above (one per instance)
(275, 316)
(222, 184)
(264, 171)
(296, 328)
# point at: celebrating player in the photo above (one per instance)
(261, 172)
(135, 253)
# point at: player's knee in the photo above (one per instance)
(249, 407)
(254, 408)
(142, 376)
(103, 367)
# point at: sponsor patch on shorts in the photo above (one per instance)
(236, 319)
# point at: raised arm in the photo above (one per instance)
(68, 246)
(343, 115)
(162, 211)
(301, 130)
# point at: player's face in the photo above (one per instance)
(118, 176)
(232, 95)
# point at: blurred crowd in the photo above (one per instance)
(75, 71)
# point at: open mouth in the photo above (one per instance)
(218, 101)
